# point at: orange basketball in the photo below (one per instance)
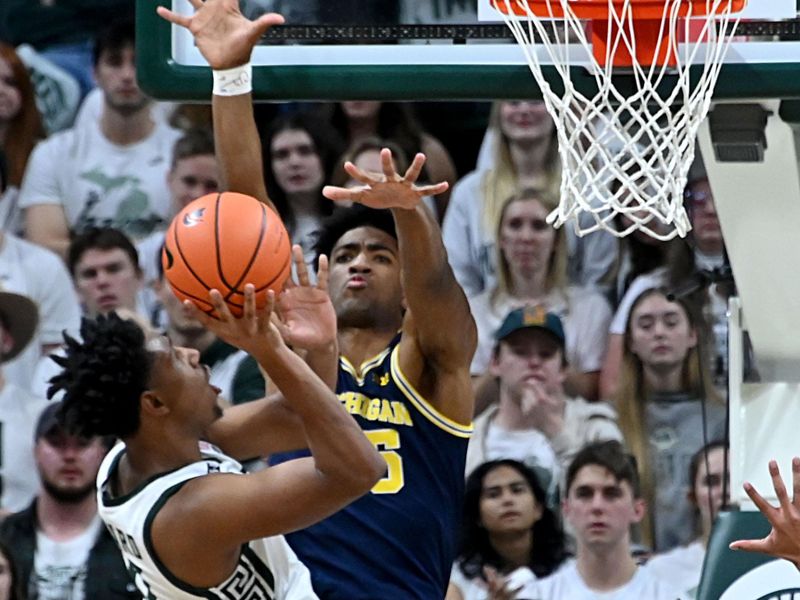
(223, 241)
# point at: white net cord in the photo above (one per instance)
(627, 149)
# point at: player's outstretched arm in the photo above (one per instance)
(344, 465)
(438, 324)
(226, 39)
(784, 539)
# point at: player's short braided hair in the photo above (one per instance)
(103, 376)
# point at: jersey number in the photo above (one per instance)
(387, 441)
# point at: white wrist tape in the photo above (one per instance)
(233, 82)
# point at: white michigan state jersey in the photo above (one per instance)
(268, 569)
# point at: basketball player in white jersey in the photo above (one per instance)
(188, 523)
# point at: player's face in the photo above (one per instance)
(192, 177)
(364, 280)
(526, 240)
(660, 333)
(703, 214)
(181, 381)
(107, 280)
(361, 109)
(68, 464)
(524, 121)
(527, 357)
(600, 508)
(708, 486)
(507, 503)
(115, 74)
(10, 97)
(296, 163)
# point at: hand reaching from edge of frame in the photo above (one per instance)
(255, 331)
(784, 539)
(224, 36)
(308, 319)
(387, 190)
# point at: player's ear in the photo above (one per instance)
(151, 404)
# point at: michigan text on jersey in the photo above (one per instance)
(376, 409)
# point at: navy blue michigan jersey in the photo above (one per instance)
(398, 541)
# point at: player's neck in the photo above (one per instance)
(125, 129)
(154, 451)
(358, 344)
(606, 568)
(63, 521)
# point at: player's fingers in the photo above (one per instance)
(300, 266)
(778, 484)
(218, 302)
(196, 4)
(204, 318)
(750, 545)
(337, 194)
(415, 168)
(173, 17)
(796, 481)
(765, 507)
(387, 165)
(249, 304)
(360, 175)
(434, 189)
(322, 273)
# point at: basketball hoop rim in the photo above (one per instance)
(598, 10)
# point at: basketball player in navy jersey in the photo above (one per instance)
(406, 338)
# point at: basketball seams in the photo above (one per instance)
(185, 262)
(235, 289)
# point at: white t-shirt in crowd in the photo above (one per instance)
(475, 588)
(567, 584)
(683, 564)
(59, 568)
(39, 274)
(19, 412)
(100, 183)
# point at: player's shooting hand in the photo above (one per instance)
(308, 319)
(386, 190)
(254, 332)
(784, 539)
(221, 32)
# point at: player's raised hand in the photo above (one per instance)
(254, 332)
(386, 190)
(308, 319)
(224, 36)
(784, 539)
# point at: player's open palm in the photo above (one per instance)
(388, 189)
(784, 539)
(224, 36)
(308, 320)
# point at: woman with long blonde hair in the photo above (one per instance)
(668, 409)
(524, 154)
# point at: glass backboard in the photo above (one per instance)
(424, 50)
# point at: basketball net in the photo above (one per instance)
(625, 151)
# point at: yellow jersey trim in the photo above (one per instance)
(365, 368)
(422, 405)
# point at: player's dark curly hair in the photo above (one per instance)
(103, 375)
(476, 550)
(347, 219)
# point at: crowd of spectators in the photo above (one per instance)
(598, 391)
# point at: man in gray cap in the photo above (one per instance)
(534, 421)
(59, 544)
(19, 409)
